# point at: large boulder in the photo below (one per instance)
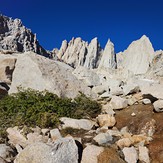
(40, 73)
(62, 150)
(138, 56)
(16, 37)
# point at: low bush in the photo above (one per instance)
(31, 108)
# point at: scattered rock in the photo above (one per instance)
(130, 154)
(130, 88)
(103, 138)
(15, 137)
(124, 142)
(146, 101)
(76, 123)
(158, 106)
(106, 120)
(118, 103)
(107, 109)
(144, 154)
(100, 89)
(91, 153)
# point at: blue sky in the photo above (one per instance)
(120, 20)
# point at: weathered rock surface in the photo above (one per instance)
(40, 73)
(108, 59)
(138, 56)
(63, 150)
(6, 152)
(118, 102)
(103, 138)
(76, 123)
(158, 106)
(16, 137)
(79, 53)
(16, 37)
(131, 155)
(55, 134)
(130, 88)
(106, 120)
(91, 153)
(88, 76)
(157, 64)
(74, 53)
(144, 154)
(7, 66)
(94, 54)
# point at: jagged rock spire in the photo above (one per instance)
(138, 56)
(108, 59)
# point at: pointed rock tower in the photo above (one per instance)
(93, 55)
(138, 56)
(108, 59)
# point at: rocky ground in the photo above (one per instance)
(133, 134)
(128, 85)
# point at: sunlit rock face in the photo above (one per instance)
(79, 53)
(138, 56)
(15, 36)
(108, 59)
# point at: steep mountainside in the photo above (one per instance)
(15, 36)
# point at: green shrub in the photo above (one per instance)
(31, 108)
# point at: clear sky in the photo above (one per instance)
(120, 20)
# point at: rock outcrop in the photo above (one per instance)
(15, 36)
(108, 59)
(79, 53)
(138, 56)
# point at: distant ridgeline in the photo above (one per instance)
(137, 58)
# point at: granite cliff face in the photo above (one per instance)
(79, 53)
(14, 36)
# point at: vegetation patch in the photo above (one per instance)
(43, 109)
